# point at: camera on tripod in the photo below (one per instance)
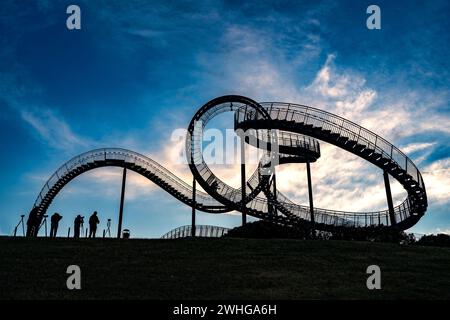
(20, 223)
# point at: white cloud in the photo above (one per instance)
(109, 178)
(436, 177)
(445, 231)
(341, 181)
(327, 86)
(53, 130)
(425, 148)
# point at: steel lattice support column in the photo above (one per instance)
(122, 200)
(194, 183)
(274, 185)
(243, 180)
(389, 198)
(311, 204)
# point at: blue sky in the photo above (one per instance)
(137, 70)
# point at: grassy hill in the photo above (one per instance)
(220, 269)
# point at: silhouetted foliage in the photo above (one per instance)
(371, 233)
(266, 230)
(439, 240)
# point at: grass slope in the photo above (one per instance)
(220, 269)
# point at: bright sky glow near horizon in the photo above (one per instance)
(138, 70)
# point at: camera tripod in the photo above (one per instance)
(44, 222)
(108, 229)
(20, 223)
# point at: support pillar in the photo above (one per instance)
(193, 207)
(311, 204)
(389, 197)
(23, 224)
(122, 199)
(274, 186)
(243, 180)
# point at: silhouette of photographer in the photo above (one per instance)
(77, 225)
(93, 222)
(32, 222)
(56, 217)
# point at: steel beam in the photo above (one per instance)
(122, 200)
(311, 204)
(389, 198)
(274, 186)
(194, 183)
(243, 180)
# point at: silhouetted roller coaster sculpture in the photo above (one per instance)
(287, 133)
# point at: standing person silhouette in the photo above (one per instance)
(77, 225)
(93, 221)
(56, 217)
(31, 222)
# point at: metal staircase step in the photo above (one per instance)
(334, 135)
(351, 143)
(377, 156)
(367, 151)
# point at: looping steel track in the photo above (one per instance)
(287, 133)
